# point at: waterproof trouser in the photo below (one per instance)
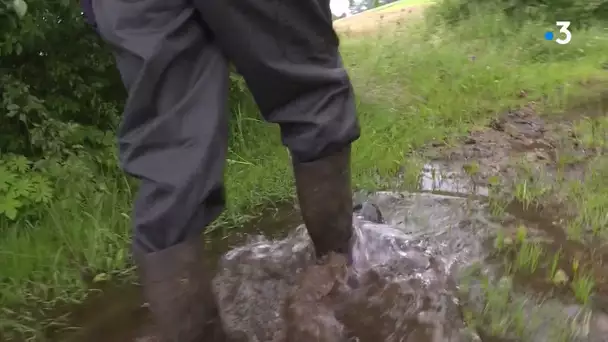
(173, 57)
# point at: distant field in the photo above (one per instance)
(394, 13)
(397, 5)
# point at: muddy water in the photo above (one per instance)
(403, 268)
(403, 277)
(410, 271)
(422, 265)
(119, 312)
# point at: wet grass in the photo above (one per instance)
(564, 195)
(569, 196)
(520, 300)
(505, 316)
(544, 267)
(521, 303)
(415, 85)
(572, 187)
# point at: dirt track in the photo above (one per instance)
(369, 21)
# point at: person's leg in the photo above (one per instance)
(287, 52)
(173, 137)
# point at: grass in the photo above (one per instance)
(508, 317)
(398, 5)
(414, 86)
(582, 196)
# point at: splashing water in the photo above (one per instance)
(270, 291)
(406, 256)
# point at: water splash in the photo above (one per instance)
(403, 268)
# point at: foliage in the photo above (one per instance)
(582, 13)
(61, 100)
(56, 100)
(20, 186)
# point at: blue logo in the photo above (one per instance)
(563, 30)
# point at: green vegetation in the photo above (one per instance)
(64, 204)
(508, 316)
(398, 5)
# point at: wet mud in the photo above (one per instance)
(404, 288)
(435, 265)
(410, 272)
(549, 273)
(118, 313)
(516, 149)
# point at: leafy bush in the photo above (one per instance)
(60, 97)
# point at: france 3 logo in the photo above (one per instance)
(564, 34)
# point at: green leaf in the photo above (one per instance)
(20, 7)
(20, 164)
(101, 277)
(6, 178)
(9, 206)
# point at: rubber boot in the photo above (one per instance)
(178, 291)
(324, 193)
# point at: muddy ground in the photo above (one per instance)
(522, 166)
(529, 164)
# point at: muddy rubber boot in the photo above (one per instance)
(178, 292)
(324, 193)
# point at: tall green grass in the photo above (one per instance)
(414, 84)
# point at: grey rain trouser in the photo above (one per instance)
(173, 57)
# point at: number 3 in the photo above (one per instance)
(563, 25)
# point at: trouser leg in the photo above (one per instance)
(173, 138)
(287, 52)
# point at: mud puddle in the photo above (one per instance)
(529, 163)
(413, 271)
(118, 313)
(438, 265)
(439, 179)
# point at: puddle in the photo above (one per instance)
(441, 179)
(114, 315)
(407, 267)
(591, 258)
(119, 314)
(413, 268)
(404, 268)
